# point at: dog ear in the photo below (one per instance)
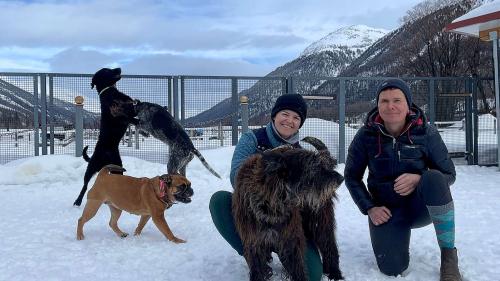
(167, 179)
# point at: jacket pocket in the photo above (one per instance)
(411, 152)
(411, 158)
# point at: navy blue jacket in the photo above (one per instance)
(418, 149)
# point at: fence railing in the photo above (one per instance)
(38, 111)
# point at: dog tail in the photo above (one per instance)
(84, 154)
(205, 163)
(318, 144)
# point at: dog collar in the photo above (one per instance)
(102, 91)
(168, 203)
(162, 189)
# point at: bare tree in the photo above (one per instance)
(430, 51)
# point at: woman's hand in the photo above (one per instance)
(406, 183)
(379, 215)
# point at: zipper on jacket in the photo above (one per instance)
(393, 138)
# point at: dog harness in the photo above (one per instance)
(263, 142)
(102, 91)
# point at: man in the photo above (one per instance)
(408, 182)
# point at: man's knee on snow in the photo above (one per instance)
(392, 265)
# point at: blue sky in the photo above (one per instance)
(208, 37)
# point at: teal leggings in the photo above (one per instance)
(220, 209)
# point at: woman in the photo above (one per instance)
(287, 116)
(409, 180)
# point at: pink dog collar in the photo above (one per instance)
(162, 189)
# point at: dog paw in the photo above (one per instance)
(137, 233)
(177, 240)
(123, 235)
(80, 237)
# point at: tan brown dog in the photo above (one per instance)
(147, 197)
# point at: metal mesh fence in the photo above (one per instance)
(450, 111)
(199, 94)
(322, 121)
(208, 107)
(486, 123)
(17, 101)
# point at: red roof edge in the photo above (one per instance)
(474, 20)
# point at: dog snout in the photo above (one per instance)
(106, 77)
(187, 190)
(184, 193)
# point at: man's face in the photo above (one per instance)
(287, 123)
(392, 107)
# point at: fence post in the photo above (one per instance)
(43, 103)
(468, 125)
(52, 120)
(36, 122)
(175, 86)
(475, 121)
(494, 36)
(183, 101)
(234, 102)
(136, 135)
(220, 134)
(244, 114)
(284, 83)
(78, 126)
(169, 95)
(129, 140)
(342, 121)
(289, 85)
(432, 101)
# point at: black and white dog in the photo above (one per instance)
(117, 111)
(155, 119)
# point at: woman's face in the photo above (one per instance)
(287, 123)
(392, 107)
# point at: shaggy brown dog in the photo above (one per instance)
(141, 196)
(281, 197)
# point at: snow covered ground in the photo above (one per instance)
(38, 225)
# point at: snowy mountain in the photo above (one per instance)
(331, 54)
(355, 37)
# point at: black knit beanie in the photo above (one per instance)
(398, 84)
(293, 102)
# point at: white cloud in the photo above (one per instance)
(115, 31)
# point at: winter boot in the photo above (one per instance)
(449, 265)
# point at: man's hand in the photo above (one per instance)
(379, 215)
(406, 183)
